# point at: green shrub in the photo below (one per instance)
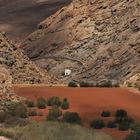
(30, 103)
(54, 114)
(121, 113)
(86, 84)
(105, 83)
(41, 103)
(6, 134)
(65, 104)
(123, 126)
(97, 124)
(111, 124)
(125, 119)
(17, 109)
(53, 101)
(32, 112)
(105, 114)
(72, 84)
(72, 117)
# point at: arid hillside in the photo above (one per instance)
(20, 68)
(6, 95)
(96, 39)
(19, 18)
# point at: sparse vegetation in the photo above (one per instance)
(105, 83)
(57, 131)
(65, 104)
(17, 109)
(97, 124)
(30, 103)
(72, 84)
(6, 134)
(54, 114)
(41, 103)
(53, 101)
(121, 113)
(86, 84)
(72, 117)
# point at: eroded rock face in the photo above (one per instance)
(96, 39)
(6, 95)
(22, 70)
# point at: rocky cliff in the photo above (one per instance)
(96, 39)
(21, 69)
(6, 95)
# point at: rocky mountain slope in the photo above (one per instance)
(6, 96)
(96, 39)
(19, 18)
(21, 69)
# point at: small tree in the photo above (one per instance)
(17, 109)
(97, 124)
(72, 117)
(54, 114)
(65, 104)
(72, 84)
(53, 101)
(105, 114)
(30, 104)
(86, 84)
(121, 113)
(41, 103)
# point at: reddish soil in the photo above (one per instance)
(89, 102)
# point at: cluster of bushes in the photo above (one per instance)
(122, 121)
(72, 117)
(106, 83)
(52, 101)
(55, 114)
(14, 112)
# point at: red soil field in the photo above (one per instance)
(89, 102)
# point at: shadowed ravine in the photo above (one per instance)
(28, 13)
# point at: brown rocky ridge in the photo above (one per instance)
(21, 69)
(6, 95)
(96, 39)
